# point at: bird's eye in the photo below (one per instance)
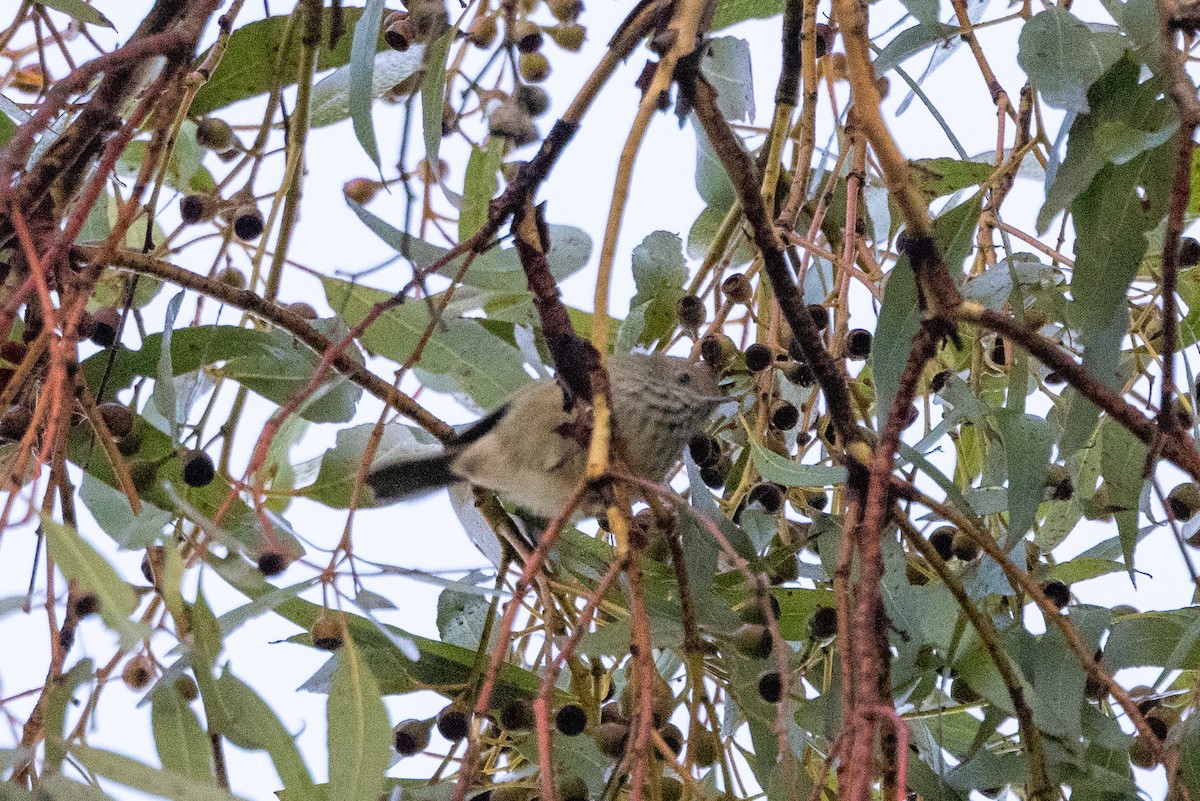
(684, 378)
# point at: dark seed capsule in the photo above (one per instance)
(1058, 593)
(248, 222)
(611, 713)
(799, 374)
(999, 353)
(198, 469)
(1058, 481)
(1189, 252)
(964, 547)
(823, 40)
(399, 32)
(118, 419)
(454, 723)
(705, 450)
(715, 477)
(152, 562)
(138, 672)
(517, 715)
(611, 738)
(571, 720)
(673, 737)
(858, 344)
(766, 496)
(326, 632)
(784, 416)
(271, 563)
(1054, 379)
(942, 541)
(536, 102)
(691, 312)
(1184, 501)
(770, 687)
(105, 324)
(197, 208)
(758, 357)
(824, 622)
(88, 603)
(717, 350)
(753, 640)
(573, 788)
(819, 315)
(737, 288)
(940, 380)
(214, 134)
(411, 736)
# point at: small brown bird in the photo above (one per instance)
(529, 450)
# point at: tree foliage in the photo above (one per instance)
(858, 583)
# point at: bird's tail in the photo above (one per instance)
(412, 477)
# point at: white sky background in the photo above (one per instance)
(425, 534)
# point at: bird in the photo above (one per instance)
(530, 450)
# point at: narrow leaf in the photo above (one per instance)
(80, 562)
(1027, 442)
(182, 745)
(77, 9)
(155, 781)
(362, 67)
(359, 733)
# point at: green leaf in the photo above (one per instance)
(254, 725)
(496, 270)
(184, 170)
(112, 511)
(659, 273)
(433, 89)
(362, 68)
(1148, 640)
(790, 473)
(483, 366)
(1124, 115)
(441, 664)
(726, 64)
(1081, 569)
(1122, 464)
(270, 363)
(729, 12)
(155, 781)
(164, 390)
(331, 94)
(461, 617)
(7, 129)
(1189, 755)
(77, 9)
(945, 176)
(1112, 218)
(60, 788)
(248, 66)
(1027, 442)
(908, 43)
(80, 562)
(900, 315)
(182, 745)
(359, 733)
(479, 187)
(1063, 57)
(60, 697)
(339, 465)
